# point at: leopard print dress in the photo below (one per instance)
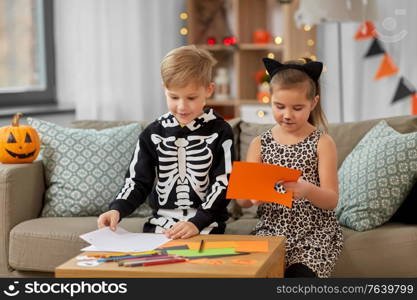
(314, 237)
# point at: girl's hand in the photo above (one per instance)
(181, 230)
(300, 188)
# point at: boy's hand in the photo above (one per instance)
(181, 230)
(300, 188)
(110, 218)
(256, 202)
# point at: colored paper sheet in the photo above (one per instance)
(204, 253)
(114, 254)
(122, 240)
(256, 181)
(386, 68)
(239, 246)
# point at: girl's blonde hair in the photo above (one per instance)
(187, 64)
(293, 78)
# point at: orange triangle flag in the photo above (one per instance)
(256, 181)
(386, 68)
(366, 31)
(414, 104)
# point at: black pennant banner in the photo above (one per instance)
(375, 49)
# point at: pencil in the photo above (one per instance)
(145, 259)
(162, 262)
(118, 258)
(201, 248)
(154, 263)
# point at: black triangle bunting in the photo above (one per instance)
(375, 49)
(404, 89)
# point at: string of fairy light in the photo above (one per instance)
(184, 29)
(278, 40)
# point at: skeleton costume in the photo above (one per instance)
(191, 163)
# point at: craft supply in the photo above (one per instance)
(201, 248)
(88, 263)
(159, 262)
(241, 261)
(144, 259)
(141, 261)
(206, 253)
(240, 246)
(250, 180)
(215, 262)
(199, 261)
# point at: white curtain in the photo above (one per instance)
(108, 54)
(350, 92)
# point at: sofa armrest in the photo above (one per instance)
(21, 194)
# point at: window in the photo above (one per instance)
(27, 68)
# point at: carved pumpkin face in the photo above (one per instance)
(18, 143)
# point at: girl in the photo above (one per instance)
(314, 237)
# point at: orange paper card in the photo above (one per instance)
(240, 246)
(256, 181)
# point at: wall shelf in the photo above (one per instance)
(240, 19)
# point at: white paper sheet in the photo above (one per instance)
(122, 240)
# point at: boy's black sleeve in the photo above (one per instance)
(139, 178)
(214, 207)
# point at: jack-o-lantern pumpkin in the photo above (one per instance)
(18, 143)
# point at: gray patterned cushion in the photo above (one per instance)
(376, 177)
(84, 168)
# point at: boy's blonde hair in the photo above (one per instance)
(187, 64)
(292, 78)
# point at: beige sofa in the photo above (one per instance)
(34, 246)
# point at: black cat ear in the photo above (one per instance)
(313, 69)
(271, 65)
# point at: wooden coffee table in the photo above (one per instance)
(268, 264)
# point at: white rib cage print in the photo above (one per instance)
(183, 162)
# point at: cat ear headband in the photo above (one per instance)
(312, 69)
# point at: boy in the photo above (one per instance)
(189, 150)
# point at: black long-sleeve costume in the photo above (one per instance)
(191, 164)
